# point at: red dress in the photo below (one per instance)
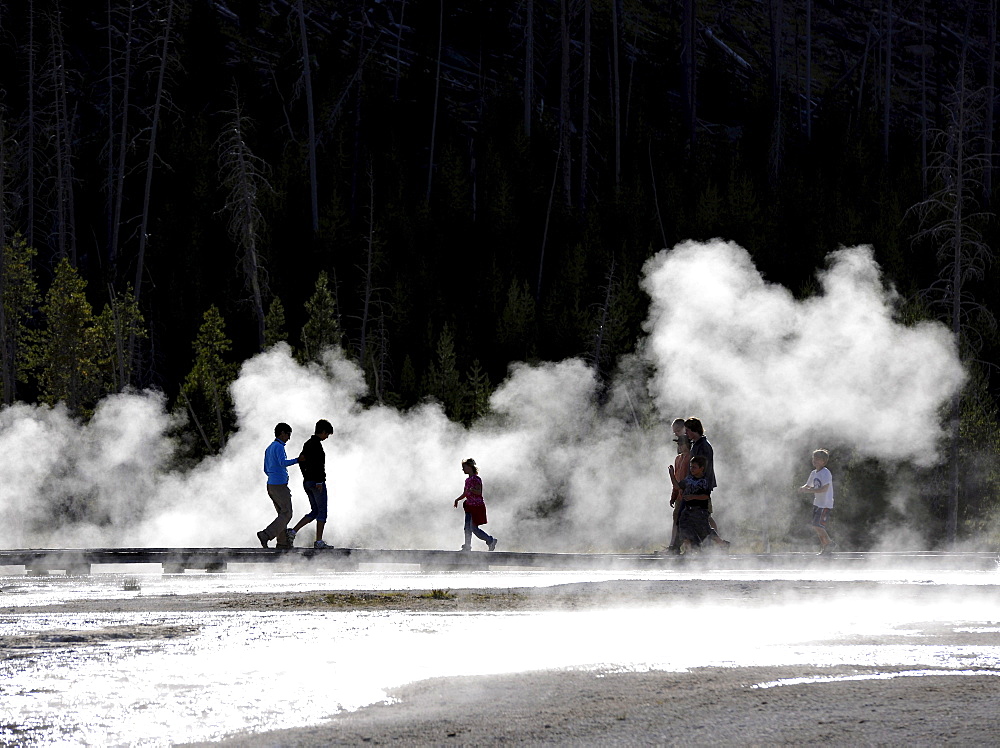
(474, 504)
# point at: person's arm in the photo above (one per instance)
(673, 476)
(815, 489)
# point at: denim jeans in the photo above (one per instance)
(317, 500)
(471, 529)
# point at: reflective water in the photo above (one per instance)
(156, 679)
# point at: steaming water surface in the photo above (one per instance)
(161, 678)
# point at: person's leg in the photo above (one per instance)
(482, 534)
(320, 509)
(311, 490)
(468, 532)
(281, 496)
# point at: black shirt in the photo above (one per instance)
(702, 447)
(313, 462)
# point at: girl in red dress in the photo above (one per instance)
(475, 507)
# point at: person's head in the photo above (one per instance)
(699, 464)
(677, 426)
(283, 432)
(694, 429)
(683, 444)
(469, 466)
(323, 428)
(820, 458)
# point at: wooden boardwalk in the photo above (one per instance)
(76, 561)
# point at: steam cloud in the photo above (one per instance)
(772, 377)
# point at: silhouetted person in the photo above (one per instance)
(681, 463)
(700, 445)
(276, 464)
(313, 467)
(820, 485)
(696, 492)
(475, 507)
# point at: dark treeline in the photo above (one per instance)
(444, 187)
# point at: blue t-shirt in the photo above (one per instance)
(276, 463)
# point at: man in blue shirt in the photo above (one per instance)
(276, 464)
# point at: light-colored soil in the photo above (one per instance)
(710, 706)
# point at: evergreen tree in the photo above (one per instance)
(274, 323)
(65, 353)
(322, 328)
(443, 381)
(205, 392)
(118, 323)
(517, 323)
(20, 296)
(476, 400)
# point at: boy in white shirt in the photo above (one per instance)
(820, 485)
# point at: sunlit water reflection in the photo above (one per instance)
(262, 671)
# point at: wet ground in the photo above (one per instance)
(142, 658)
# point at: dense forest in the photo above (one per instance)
(441, 188)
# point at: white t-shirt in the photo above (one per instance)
(822, 478)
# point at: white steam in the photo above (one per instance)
(771, 377)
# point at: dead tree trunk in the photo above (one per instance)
(311, 120)
(887, 88)
(62, 131)
(988, 124)
(564, 89)
(689, 72)
(617, 87)
(585, 117)
(116, 171)
(529, 66)
(244, 176)
(437, 93)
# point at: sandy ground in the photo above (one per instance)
(712, 706)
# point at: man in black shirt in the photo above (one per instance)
(700, 445)
(312, 463)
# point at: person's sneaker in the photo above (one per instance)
(262, 538)
(828, 548)
(291, 535)
(465, 548)
(491, 545)
(321, 544)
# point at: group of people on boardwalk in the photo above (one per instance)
(312, 464)
(692, 477)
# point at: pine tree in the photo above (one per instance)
(274, 324)
(65, 353)
(205, 392)
(20, 296)
(322, 328)
(517, 322)
(118, 323)
(443, 381)
(476, 399)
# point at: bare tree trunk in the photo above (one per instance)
(399, 50)
(564, 88)
(545, 231)
(585, 119)
(243, 175)
(6, 352)
(923, 99)
(616, 82)
(777, 136)
(529, 66)
(307, 80)
(118, 183)
(809, 52)
(63, 133)
(437, 93)
(991, 64)
(887, 89)
(689, 72)
(150, 163)
(32, 83)
(369, 272)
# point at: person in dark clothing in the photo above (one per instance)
(312, 463)
(700, 445)
(697, 490)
